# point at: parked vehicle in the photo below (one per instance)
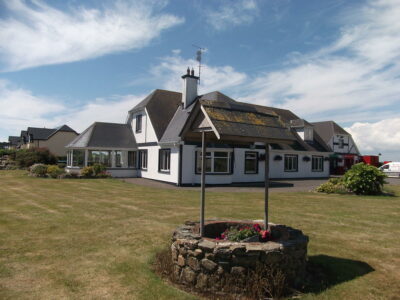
(391, 169)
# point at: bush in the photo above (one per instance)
(38, 170)
(87, 172)
(54, 171)
(62, 165)
(98, 169)
(364, 179)
(27, 157)
(333, 186)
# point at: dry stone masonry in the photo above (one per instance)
(203, 263)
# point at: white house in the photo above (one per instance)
(151, 143)
(341, 143)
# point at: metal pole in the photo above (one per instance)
(266, 195)
(203, 181)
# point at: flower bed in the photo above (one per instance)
(207, 263)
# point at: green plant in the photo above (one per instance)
(54, 171)
(98, 169)
(61, 165)
(332, 186)
(27, 157)
(87, 172)
(38, 170)
(363, 179)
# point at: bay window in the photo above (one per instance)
(99, 157)
(118, 159)
(132, 159)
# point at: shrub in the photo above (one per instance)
(87, 172)
(61, 165)
(364, 179)
(98, 169)
(38, 170)
(332, 186)
(54, 171)
(27, 157)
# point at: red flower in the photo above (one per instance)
(265, 234)
(257, 227)
(217, 238)
(223, 236)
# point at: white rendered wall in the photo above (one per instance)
(147, 135)
(152, 164)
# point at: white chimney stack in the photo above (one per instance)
(189, 92)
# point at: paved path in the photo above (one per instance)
(293, 185)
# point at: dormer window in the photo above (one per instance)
(139, 123)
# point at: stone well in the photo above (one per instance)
(202, 263)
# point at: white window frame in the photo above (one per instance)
(164, 160)
(211, 157)
(121, 162)
(139, 121)
(143, 159)
(255, 158)
(293, 163)
(317, 163)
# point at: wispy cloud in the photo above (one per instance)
(38, 34)
(21, 108)
(232, 13)
(171, 68)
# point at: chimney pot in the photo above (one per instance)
(188, 71)
(192, 73)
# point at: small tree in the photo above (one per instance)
(364, 179)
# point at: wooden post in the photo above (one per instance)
(203, 181)
(266, 195)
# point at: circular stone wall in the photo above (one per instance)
(204, 263)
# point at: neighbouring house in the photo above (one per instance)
(340, 142)
(4, 145)
(153, 142)
(54, 139)
(14, 142)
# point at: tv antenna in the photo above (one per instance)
(199, 53)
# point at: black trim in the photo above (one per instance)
(251, 152)
(180, 165)
(147, 144)
(139, 120)
(140, 160)
(159, 160)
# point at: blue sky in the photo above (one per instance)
(77, 62)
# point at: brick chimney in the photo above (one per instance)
(189, 92)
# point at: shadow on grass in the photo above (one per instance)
(326, 271)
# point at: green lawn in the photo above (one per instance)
(97, 238)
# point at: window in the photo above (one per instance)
(118, 159)
(250, 162)
(341, 143)
(100, 157)
(291, 163)
(216, 162)
(132, 159)
(143, 159)
(317, 164)
(139, 123)
(78, 158)
(164, 160)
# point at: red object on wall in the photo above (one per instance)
(372, 160)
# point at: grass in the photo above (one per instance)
(97, 238)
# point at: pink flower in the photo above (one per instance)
(257, 227)
(265, 234)
(223, 236)
(217, 238)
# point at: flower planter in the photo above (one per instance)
(205, 263)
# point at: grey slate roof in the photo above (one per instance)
(161, 106)
(40, 133)
(14, 140)
(105, 135)
(327, 129)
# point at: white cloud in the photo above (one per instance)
(38, 34)
(378, 137)
(213, 78)
(357, 74)
(20, 109)
(231, 14)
